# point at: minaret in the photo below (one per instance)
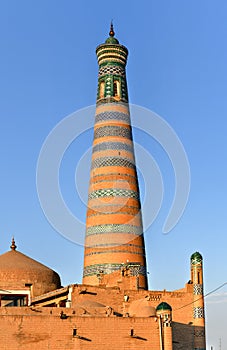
(164, 314)
(198, 304)
(114, 233)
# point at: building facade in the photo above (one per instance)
(113, 307)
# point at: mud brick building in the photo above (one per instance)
(113, 307)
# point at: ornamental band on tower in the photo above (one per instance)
(114, 231)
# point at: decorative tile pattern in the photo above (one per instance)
(113, 125)
(198, 312)
(119, 146)
(196, 260)
(108, 79)
(106, 116)
(101, 268)
(115, 53)
(113, 130)
(113, 69)
(112, 161)
(137, 270)
(109, 87)
(200, 333)
(113, 192)
(114, 228)
(109, 100)
(198, 289)
(109, 268)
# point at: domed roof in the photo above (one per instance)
(141, 308)
(196, 257)
(111, 40)
(17, 270)
(163, 306)
(90, 303)
(90, 307)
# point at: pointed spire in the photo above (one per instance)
(111, 33)
(13, 245)
(111, 39)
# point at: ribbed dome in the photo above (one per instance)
(18, 270)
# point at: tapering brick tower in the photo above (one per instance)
(114, 232)
(198, 304)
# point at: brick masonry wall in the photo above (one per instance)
(24, 329)
(42, 327)
(180, 300)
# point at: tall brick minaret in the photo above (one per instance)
(198, 302)
(114, 232)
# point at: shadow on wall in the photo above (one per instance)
(184, 335)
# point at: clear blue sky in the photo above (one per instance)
(176, 68)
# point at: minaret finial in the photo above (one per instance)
(13, 245)
(111, 33)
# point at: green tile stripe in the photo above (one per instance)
(114, 228)
(109, 268)
(112, 115)
(112, 161)
(114, 192)
(118, 146)
(113, 130)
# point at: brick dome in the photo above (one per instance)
(142, 308)
(18, 271)
(90, 307)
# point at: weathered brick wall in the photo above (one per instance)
(180, 300)
(24, 329)
(42, 328)
(183, 336)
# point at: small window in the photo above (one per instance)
(198, 278)
(116, 88)
(102, 89)
(7, 300)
